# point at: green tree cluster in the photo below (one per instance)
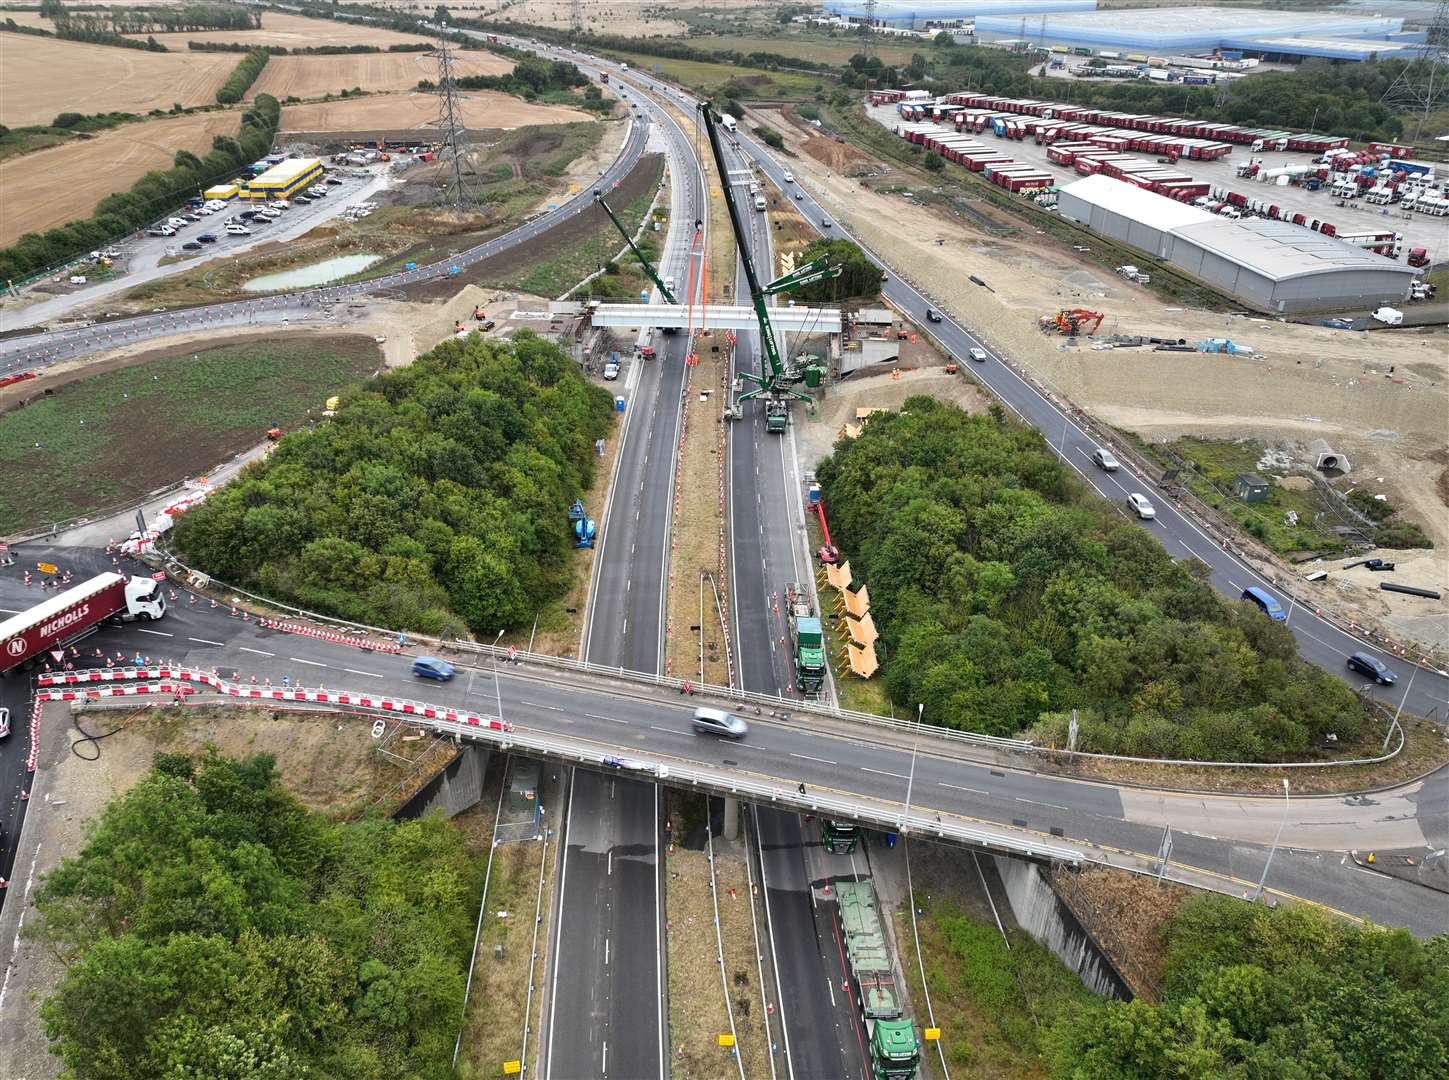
(437, 493)
(859, 277)
(242, 76)
(153, 194)
(1008, 594)
(211, 927)
(1291, 992)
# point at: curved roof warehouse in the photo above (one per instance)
(1272, 266)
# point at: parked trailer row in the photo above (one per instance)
(998, 167)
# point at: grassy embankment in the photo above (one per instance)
(118, 435)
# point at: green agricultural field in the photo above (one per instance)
(745, 82)
(101, 441)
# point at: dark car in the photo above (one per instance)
(430, 667)
(1373, 667)
(191, 245)
(247, 215)
(932, 315)
(207, 238)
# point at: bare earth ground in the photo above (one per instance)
(50, 187)
(1125, 914)
(325, 760)
(1311, 382)
(291, 32)
(308, 76)
(45, 77)
(600, 16)
(481, 109)
(698, 529)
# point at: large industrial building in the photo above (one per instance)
(1270, 266)
(284, 179)
(922, 12)
(1254, 32)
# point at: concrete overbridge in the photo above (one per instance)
(785, 320)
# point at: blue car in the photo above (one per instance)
(430, 667)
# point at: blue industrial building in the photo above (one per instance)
(923, 11)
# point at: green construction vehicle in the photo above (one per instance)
(778, 380)
(839, 837)
(809, 638)
(895, 1051)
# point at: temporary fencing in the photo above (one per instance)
(330, 635)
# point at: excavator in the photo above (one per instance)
(1072, 322)
(645, 263)
(778, 383)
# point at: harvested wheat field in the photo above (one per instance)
(481, 109)
(313, 76)
(44, 78)
(63, 183)
(293, 32)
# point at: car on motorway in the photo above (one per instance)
(1141, 506)
(1105, 460)
(799, 196)
(932, 315)
(825, 223)
(1373, 667)
(719, 722)
(789, 178)
(979, 355)
(191, 245)
(207, 238)
(430, 667)
(1265, 602)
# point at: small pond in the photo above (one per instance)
(316, 274)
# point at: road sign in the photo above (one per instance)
(57, 655)
(46, 567)
(931, 1034)
(726, 1040)
(512, 1068)
(159, 575)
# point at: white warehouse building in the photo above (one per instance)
(1272, 266)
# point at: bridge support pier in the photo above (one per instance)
(732, 819)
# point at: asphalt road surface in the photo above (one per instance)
(609, 889)
(1224, 836)
(819, 1024)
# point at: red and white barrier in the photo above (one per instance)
(330, 635)
(34, 756)
(177, 680)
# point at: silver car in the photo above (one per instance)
(1141, 507)
(719, 722)
(1103, 459)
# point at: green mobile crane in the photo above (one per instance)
(777, 383)
(645, 263)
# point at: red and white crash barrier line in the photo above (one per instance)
(178, 680)
(330, 635)
(34, 756)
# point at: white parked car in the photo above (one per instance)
(1141, 507)
(178, 222)
(611, 371)
(206, 211)
(281, 204)
(269, 213)
(236, 229)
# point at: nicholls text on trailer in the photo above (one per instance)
(55, 623)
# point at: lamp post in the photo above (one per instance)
(498, 690)
(911, 780)
(1274, 849)
(1395, 723)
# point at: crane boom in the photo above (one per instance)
(648, 267)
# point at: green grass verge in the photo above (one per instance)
(114, 436)
(741, 82)
(578, 260)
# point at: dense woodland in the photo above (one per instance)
(859, 277)
(1293, 993)
(1008, 594)
(435, 500)
(213, 928)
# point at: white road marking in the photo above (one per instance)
(204, 641)
(536, 705)
(611, 719)
(299, 660)
(666, 730)
(1233, 585)
(884, 772)
(259, 652)
(958, 787)
(158, 633)
(1038, 802)
(807, 757)
(369, 674)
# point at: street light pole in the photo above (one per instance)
(1412, 672)
(911, 780)
(1274, 849)
(498, 690)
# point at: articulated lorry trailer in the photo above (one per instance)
(895, 1051)
(69, 616)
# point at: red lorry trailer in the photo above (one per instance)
(74, 613)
